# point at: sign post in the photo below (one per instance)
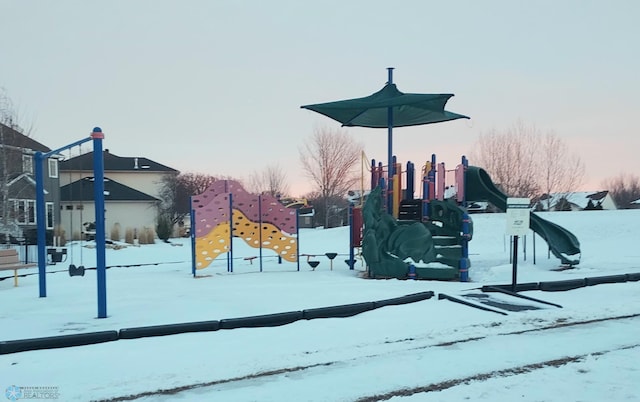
(518, 217)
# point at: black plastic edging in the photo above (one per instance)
(597, 280)
(169, 329)
(266, 320)
(633, 277)
(344, 310)
(411, 298)
(520, 287)
(559, 286)
(61, 341)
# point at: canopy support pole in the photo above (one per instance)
(390, 166)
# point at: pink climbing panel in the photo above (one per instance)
(214, 209)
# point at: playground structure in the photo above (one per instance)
(226, 210)
(424, 238)
(428, 237)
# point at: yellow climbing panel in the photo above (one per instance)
(216, 242)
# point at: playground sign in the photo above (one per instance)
(517, 216)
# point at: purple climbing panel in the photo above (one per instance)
(212, 208)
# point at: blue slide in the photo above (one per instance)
(562, 243)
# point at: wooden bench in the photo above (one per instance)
(9, 261)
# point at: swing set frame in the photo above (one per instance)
(98, 173)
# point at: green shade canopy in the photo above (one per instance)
(388, 108)
(373, 110)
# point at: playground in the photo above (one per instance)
(227, 308)
(152, 285)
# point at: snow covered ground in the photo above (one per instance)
(432, 350)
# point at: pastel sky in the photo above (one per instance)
(216, 86)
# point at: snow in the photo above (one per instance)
(431, 350)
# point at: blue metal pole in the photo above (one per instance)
(425, 195)
(73, 144)
(352, 231)
(431, 180)
(374, 176)
(464, 260)
(260, 228)
(410, 181)
(192, 235)
(42, 226)
(98, 188)
(230, 260)
(298, 239)
(465, 165)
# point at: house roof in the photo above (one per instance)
(580, 199)
(114, 163)
(82, 190)
(17, 139)
(636, 201)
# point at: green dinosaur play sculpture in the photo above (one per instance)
(387, 245)
(390, 246)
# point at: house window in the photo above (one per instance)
(53, 168)
(31, 211)
(24, 211)
(20, 215)
(27, 164)
(50, 218)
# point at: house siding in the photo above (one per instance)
(133, 215)
(147, 182)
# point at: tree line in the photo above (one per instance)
(522, 160)
(525, 161)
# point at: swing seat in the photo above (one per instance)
(56, 254)
(76, 271)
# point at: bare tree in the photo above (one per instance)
(328, 159)
(624, 188)
(524, 161)
(560, 171)
(271, 180)
(176, 192)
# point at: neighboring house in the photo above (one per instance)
(636, 203)
(578, 201)
(130, 208)
(17, 179)
(306, 212)
(132, 192)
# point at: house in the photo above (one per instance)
(17, 178)
(132, 192)
(306, 212)
(635, 204)
(577, 201)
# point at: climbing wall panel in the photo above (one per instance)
(207, 205)
(214, 241)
